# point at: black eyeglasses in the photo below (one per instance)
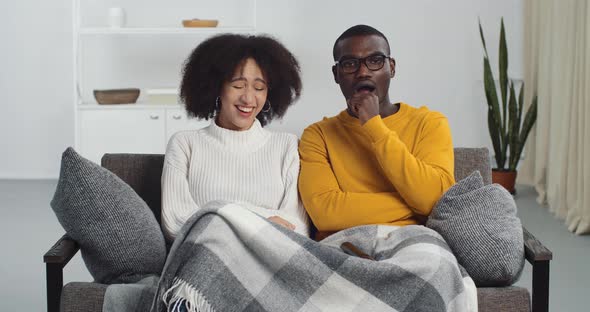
(373, 62)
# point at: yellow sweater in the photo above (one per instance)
(388, 171)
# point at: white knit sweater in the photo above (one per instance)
(256, 168)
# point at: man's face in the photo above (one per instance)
(364, 79)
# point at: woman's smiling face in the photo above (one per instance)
(242, 97)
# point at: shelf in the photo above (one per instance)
(93, 106)
(162, 30)
(118, 57)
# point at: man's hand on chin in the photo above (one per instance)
(365, 105)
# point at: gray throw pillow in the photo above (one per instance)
(119, 237)
(480, 225)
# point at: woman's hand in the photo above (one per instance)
(280, 221)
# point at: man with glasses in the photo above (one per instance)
(376, 162)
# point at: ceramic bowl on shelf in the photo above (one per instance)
(199, 23)
(116, 96)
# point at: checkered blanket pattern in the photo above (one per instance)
(227, 258)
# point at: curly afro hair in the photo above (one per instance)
(214, 61)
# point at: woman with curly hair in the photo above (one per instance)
(241, 83)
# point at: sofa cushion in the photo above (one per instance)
(80, 296)
(120, 239)
(480, 225)
(505, 299)
(89, 297)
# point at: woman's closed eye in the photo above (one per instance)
(238, 85)
(242, 85)
(260, 86)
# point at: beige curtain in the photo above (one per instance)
(557, 68)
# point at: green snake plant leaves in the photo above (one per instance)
(508, 130)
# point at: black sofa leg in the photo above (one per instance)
(540, 286)
(54, 286)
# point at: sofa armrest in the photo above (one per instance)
(534, 249)
(62, 251)
(55, 260)
(539, 256)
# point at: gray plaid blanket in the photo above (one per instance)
(227, 258)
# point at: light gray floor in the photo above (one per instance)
(570, 276)
(29, 227)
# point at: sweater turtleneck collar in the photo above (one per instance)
(244, 140)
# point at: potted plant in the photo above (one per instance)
(508, 130)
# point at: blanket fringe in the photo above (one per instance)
(181, 293)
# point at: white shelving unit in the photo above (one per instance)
(147, 53)
(163, 31)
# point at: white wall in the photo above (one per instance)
(436, 45)
(36, 115)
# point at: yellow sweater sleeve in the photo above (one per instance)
(420, 177)
(332, 209)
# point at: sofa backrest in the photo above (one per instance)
(143, 171)
(470, 159)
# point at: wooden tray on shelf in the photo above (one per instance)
(116, 96)
(199, 23)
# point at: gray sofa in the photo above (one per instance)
(142, 173)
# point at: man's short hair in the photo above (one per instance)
(358, 30)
